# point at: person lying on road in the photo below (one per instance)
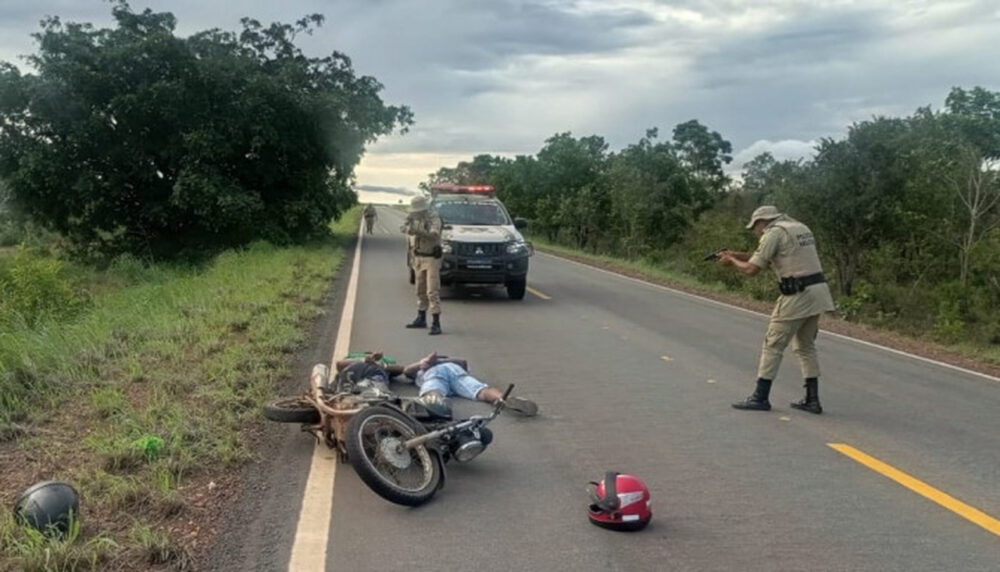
(371, 371)
(440, 378)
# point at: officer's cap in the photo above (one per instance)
(418, 204)
(766, 212)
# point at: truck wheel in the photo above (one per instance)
(516, 288)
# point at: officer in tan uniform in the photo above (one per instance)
(423, 229)
(789, 248)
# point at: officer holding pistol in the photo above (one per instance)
(423, 229)
(788, 246)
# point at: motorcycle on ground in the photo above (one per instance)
(395, 445)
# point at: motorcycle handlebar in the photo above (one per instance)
(506, 394)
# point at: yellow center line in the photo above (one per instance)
(539, 294)
(949, 502)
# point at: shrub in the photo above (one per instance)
(34, 288)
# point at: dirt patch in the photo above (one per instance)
(836, 325)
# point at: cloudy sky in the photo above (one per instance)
(500, 76)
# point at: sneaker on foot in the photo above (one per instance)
(521, 406)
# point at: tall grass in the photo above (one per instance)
(155, 377)
(28, 550)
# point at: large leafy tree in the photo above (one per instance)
(856, 186)
(704, 152)
(960, 152)
(655, 197)
(135, 139)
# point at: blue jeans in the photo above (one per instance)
(450, 379)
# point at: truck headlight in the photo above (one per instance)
(446, 247)
(517, 248)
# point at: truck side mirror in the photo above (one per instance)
(520, 223)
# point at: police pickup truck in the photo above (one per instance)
(480, 242)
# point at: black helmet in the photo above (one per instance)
(48, 505)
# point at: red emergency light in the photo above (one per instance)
(463, 189)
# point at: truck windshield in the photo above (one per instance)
(470, 213)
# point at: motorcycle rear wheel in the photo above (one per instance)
(292, 410)
(409, 477)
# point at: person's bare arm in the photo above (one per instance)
(744, 256)
(730, 259)
(416, 367)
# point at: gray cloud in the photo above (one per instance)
(501, 76)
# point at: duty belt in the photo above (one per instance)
(794, 284)
(415, 253)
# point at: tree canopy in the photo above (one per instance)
(135, 139)
(906, 209)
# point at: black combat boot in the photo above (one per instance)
(811, 401)
(758, 399)
(420, 322)
(435, 326)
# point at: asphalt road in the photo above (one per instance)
(637, 378)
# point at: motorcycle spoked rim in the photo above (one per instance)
(419, 455)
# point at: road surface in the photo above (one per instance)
(638, 378)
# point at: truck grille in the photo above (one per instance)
(485, 249)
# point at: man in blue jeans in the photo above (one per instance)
(441, 378)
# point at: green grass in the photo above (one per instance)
(156, 547)
(159, 374)
(27, 550)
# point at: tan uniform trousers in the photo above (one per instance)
(428, 279)
(802, 333)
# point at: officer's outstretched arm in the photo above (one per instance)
(747, 268)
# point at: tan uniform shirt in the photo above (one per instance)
(789, 248)
(425, 228)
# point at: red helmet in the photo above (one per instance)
(620, 502)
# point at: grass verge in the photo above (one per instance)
(142, 398)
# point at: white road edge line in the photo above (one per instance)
(313, 531)
(823, 332)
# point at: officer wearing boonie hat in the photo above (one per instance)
(789, 248)
(423, 225)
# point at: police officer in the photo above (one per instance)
(370, 216)
(423, 226)
(788, 246)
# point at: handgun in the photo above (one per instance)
(713, 256)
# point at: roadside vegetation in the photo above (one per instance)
(906, 211)
(172, 213)
(137, 383)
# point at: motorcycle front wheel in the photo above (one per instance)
(374, 440)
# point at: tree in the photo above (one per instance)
(475, 172)
(655, 197)
(961, 154)
(134, 139)
(704, 152)
(563, 167)
(767, 181)
(855, 186)
(976, 114)
(975, 182)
